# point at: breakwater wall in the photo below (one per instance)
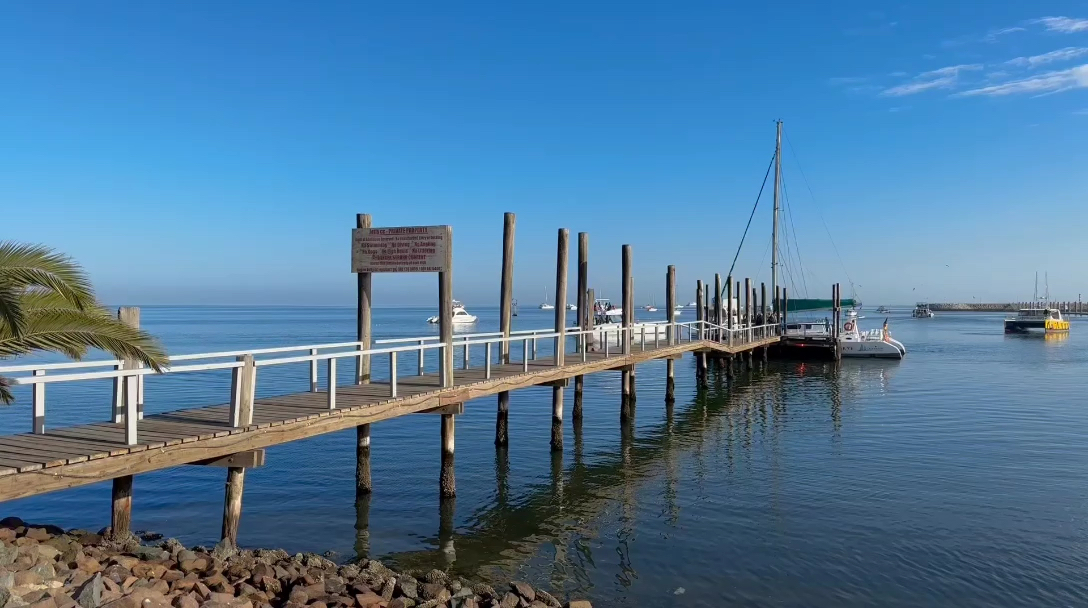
(1068, 307)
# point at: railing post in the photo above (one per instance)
(38, 422)
(534, 345)
(331, 383)
(421, 351)
(313, 371)
(643, 336)
(487, 361)
(392, 374)
(243, 383)
(465, 363)
(118, 395)
(525, 355)
(132, 413)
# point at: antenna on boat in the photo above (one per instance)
(777, 192)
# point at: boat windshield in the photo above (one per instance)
(1033, 313)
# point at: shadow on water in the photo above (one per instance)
(559, 516)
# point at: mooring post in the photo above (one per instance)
(671, 333)
(121, 519)
(763, 302)
(700, 358)
(559, 351)
(236, 476)
(585, 313)
(730, 310)
(506, 298)
(718, 310)
(447, 483)
(364, 302)
(445, 314)
(632, 396)
(625, 339)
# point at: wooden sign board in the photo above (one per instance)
(403, 249)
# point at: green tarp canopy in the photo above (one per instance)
(801, 305)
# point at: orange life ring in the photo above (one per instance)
(848, 326)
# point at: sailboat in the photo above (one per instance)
(545, 305)
(652, 306)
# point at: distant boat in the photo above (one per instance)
(690, 305)
(922, 311)
(882, 309)
(652, 306)
(572, 307)
(545, 305)
(460, 315)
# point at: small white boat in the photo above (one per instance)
(876, 343)
(922, 311)
(572, 307)
(460, 315)
(690, 305)
(613, 332)
(652, 306)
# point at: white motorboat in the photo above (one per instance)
(613, 332)
(875, 343)
(460, 315)
(545, 305)
(922, 311)
(690, 305)
(605, 312)
(572, 307)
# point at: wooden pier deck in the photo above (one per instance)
(66, 457)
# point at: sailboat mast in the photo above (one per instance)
(777, 190)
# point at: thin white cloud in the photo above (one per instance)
(1063, 25)
(1066, 54)
(1042, 84)
(995, 34)
(942, 78)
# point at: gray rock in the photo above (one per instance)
(408, 589)
(172, 545)
(436, 576)
(5, 595)
(224, 550)
(185, 555)
(7, 581)
(510, 600)
(388, 588)
(525, 590)
(8, 553)
(150, 554)
(46, 571)
(547, 598)
(89, 594)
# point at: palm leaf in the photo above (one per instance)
(72, 332)
(24, 266)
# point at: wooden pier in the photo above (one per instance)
(422, 377)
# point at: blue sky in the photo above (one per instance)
(209, 152)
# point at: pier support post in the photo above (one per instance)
(585, 313)
(559, 355)
(700, 358)
(121, 516)
(447, 482)
(506, 295)
(232, 503)
(671, 334)
(363, 483)
(628, 317)
(763, 301)
(748, 313)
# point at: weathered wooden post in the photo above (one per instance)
(671, 333)
(718, 309)
(585, 312)
(560, 340)
(749, 317)
(506, 298)
(625, 343)
(447, 482)
(785, 305)
(121, 519)
(632, 395)
(700, 358)
(363, 482)
(236, 476)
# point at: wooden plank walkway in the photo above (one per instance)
(72, 456)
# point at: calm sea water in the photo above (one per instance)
(957, 477)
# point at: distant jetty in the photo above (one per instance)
(1076, 308)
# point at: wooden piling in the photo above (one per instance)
(559, 351)
(506, 298)
(700, 358)
(121, 516)
(628, 315)
(585, 313)
(671, 334)
(445, 314)
(632, 394)
(363, 482)
(763, 301)
(718, 309)
(362, 314)
(447, 482)
(236, 476)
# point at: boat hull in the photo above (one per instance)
(1020, 326)
(872, 349)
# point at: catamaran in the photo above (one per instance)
(1038, 316)
(875, 343)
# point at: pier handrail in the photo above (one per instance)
(129, 383)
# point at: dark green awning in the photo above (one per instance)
(802, 304)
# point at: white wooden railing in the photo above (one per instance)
(244, 364)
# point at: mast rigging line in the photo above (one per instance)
(750, 216)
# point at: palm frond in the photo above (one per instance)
(24, 265)
(5, 391)
(11, 308)
(72, 332)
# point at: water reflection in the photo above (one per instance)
(726, 418)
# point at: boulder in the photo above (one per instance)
(366, 600)
(88, 564)
(198, 564)
(89, 594)
(38, 534)
(579, 604)
(150, 553)
(8, 553)
(547, 599)
(187, 600)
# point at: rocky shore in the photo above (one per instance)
(48, 567)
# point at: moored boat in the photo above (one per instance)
(876, 343)
(460, 315)
(1028, 319)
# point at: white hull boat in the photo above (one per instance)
(460, 315)
(876, 343)
(544, 305)
(572, 307)
(613, 332)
